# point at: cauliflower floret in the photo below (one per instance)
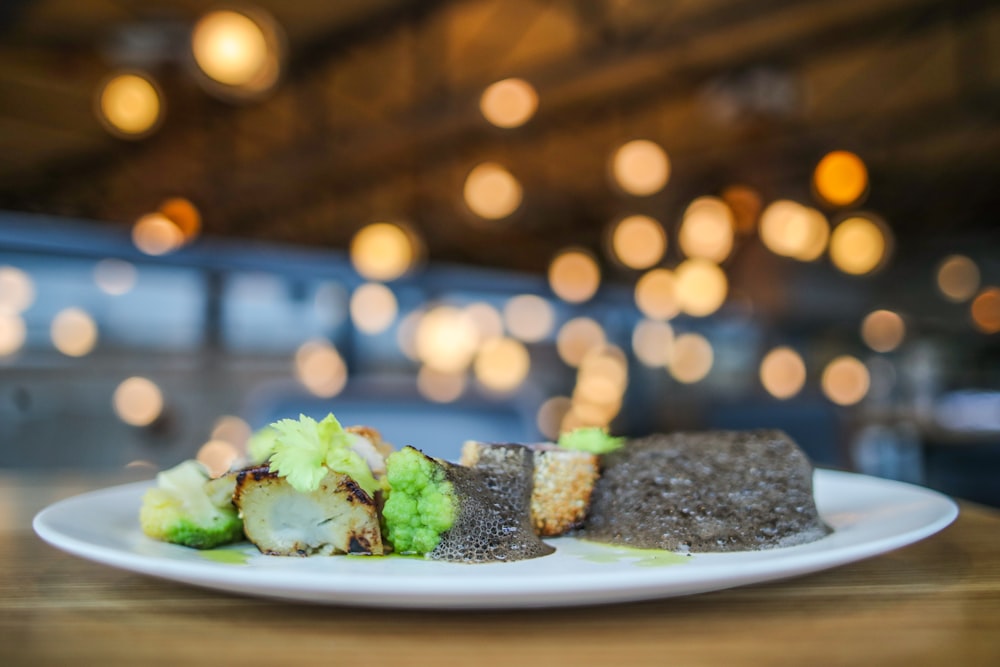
(184, 509)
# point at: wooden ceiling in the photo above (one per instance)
(377, 114)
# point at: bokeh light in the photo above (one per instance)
(130, 105)
(138, 401)
(840, 178)
(656, 294)
(232, 429)
(502, 364)
(509, 103)
(382, 251)
(373, 308)
(237, 50)
(707, 229)
(746, 204)
(551, 414)
(845, 380)
(320, 368)
(574, 275)
(446, 339)
(790, 229)
(440, 387)
(154, 234)
(691, 358)
(13, 332)
(700, 287)
(17, 290)
(782, 372)
(529, 317)
(652, 342)
(601, 382)
(883, 330)
(986, 310)
(218, 456)
(640, 167)
(858, 246)
(486, 318)
(638, 241)
(115, 276)
(577, 337)
(958, 278)
(492, 192)
(183, 213)
(73, 332)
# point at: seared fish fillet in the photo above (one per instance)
(339, 517)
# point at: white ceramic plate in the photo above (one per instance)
(869, 516)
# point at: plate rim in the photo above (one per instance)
(513, 589)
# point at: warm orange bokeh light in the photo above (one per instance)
(373, 308)
(155, 234)
(130, 105)
(845, 380)
(17, 290)
(233, 49)
(858, 246)
(883, 330)
(840, 178)
(382, 251)
(502, 364)
(958, 278)
(320, 368)
(641, 167)
(691, 358)
(701, 287)
(138, 401)
(578, 337)
(656, 294)
(439, 386)
(986, 310)
(574, 276)
(492, 192)
(707, 229)
(184, 214)
(638, 241)
(746, 204)
(652, 342)
(529, 317)
(782, 372)
(509, 103)
(74, 332)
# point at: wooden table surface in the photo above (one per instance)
(933, 603)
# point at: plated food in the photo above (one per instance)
(314, 488)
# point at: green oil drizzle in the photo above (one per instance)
(640, 557)
(225, 556)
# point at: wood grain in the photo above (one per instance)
(933, 603)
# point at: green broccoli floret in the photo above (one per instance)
(185, 509)
(590, 439)
(421, 505)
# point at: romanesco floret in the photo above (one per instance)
(421, 505)
(182, 509)
(590, 439)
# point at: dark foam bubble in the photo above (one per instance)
(494, 502)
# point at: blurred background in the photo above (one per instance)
(499, 220)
